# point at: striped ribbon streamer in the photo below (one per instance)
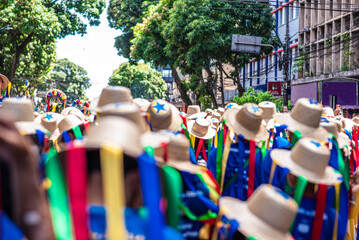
(227, 148)
(337, 206)
(114, 194)
(59, 207)
(251, 167)
(77, 185)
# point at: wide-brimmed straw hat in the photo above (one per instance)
(328, 112)
(21, 110)
(5, 81)
(164, 115)
(178, 155)
(247, 121)
(129, 111)
(305, 118)
(143, 104)
(308, 158)
(73, 111)
(67, 123)
(333, 128)
(267, 215)
(192, 110)
(208, 111)
(112, 94)
(220, 110)
(119, 132)
(216, 115)
(201, 128)
(51, 121)
(268, 108)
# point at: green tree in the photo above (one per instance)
(68, 77)
(141, 79)
(27, 47)
(199, 33)
(124, 15)
(253, 96)
(149, 45)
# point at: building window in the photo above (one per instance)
(280, 17)
(291, 16)
(166, 73)
(295, 10)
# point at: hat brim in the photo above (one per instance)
(29, 127)
(318, 133)
(196, 115)
(283, 159)
(181, 165)
(343, 140)
(249, 224)
(5, 80)
(210, 133)
(231, 121)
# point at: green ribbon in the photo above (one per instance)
(77, 132)
(172, 182)
(58, 198)
(299, 191)
(263, 149)
(187, 134)
(219, 155)
(343, 168)
(296, 136)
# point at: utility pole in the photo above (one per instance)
(286, 59)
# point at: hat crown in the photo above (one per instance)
(160, 114)
(50, 121)
(331, 127)
(193, 109)
(178, 148)
(216, 115)
(356, 120)
(268, 108)
(311, 155)
(129, 111)
(73, 111)
(220, 110)
(250, 116)
(208, 111)
(142, 104)
(201, 126)
(21, 109)
(328, 111)
(115, 94)
(274, 207)
(68, 122)
(307, 112)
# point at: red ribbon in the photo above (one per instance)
(204, 153)
(184, 120)
(224, 134)
(319, 212)
(199, 148)
(251, 167)
(355, 136)
(77, 185)
(87, 126)
(165, 151)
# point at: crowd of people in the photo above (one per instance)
(124, 168)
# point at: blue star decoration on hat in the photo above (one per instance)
(317, 144)
(266, 103)
(311, 101)
(48, 117)
(159, 107)
(254, 109)
(229, 105)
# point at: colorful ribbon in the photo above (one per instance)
(114, 194)
(251, 167)
(219, 156)
(319, 212)
(77, 184)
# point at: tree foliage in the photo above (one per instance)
(68, 77)
(124, 15)
(141, 79)
(28, 45)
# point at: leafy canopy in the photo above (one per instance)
(141, 79)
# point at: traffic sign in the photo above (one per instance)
(246, 44)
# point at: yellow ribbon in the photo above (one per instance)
(337, 199)
(53, 109)
(225, 155)
(114, 194)
(193, 140)
(274, 165)
(216, 139)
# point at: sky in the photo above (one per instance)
(95, 52)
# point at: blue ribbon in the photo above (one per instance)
(66, 137)
(40, 135)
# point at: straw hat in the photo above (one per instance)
(215, 122)
(143, 104)
(112, 94)
(268, 213)
(67, 123)
(192, 110)
(220, 110)
(21, 110)
(116, 131)
(305, 118)
(216, 115)
(328, 112)
(73, 111)
(208, 111)
(164, 115)
(333, 128)
(201, 128)
(309, 159)
(50, 121)
(178, 155)
(348, 124)
(5, 81)
(247, 122)
(129, 111)
(268, 108)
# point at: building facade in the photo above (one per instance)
(329, 53)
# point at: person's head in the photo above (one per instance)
(285, 109)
